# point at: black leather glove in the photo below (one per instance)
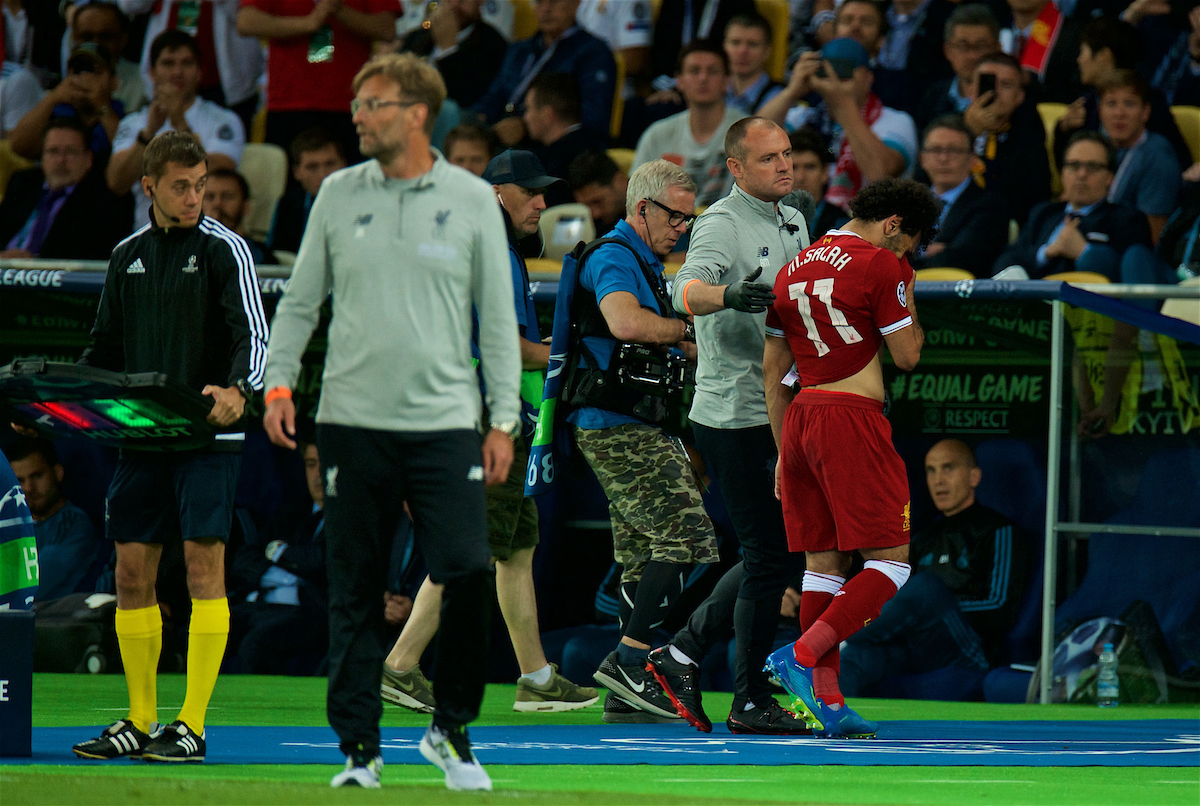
(749, 296)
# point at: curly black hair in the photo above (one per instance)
(915, 203)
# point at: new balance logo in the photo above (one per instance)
(136, 267)
(475, 473)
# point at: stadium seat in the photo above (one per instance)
(1187, 118)
(1186, 309)
(285, 258)
(943, 273)
(524, 20)
(563, 226)
(618, 106)
(1051, 113)
(265, 167)
(776, 12)
(10, 163)
(1078, 277)
(623, 157)
(258, 127)
(543, 265)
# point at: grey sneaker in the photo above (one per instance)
(360, 771)
(451, 753)
(619, 712)
(559, 694)
(407, 689)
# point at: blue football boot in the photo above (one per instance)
(797, 681)
(844, 723)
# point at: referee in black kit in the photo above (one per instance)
(181, 298)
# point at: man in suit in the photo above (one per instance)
(461, 46)
(1085, 232)
(61, 209)
(973, 229)
(553, 109)
(971, 33)
(1045, 41)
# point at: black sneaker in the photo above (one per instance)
(635, 685)
(681, 683)
(619, 712)
(772, 719)
(120, 738)
(177, 742)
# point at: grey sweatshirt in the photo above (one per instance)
(405, 260)
(735, 236)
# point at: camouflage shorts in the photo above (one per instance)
(654, 501)
(511, 517)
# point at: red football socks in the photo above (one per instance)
(856, 604)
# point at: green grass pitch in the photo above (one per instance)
(242, 700)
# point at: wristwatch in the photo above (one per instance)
(245, 388)
(510, 428)
(689, 332)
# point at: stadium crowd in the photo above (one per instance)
(1048, 131)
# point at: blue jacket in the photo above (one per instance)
(577, 52)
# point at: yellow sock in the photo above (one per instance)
(207, 635)
(139, 634)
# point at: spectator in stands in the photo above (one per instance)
(871, 141)
(559, 46)
(87, 94)
(1085, 231)
(470, 146)
(281, 612)
(973, 228)
(104, 24)
(19, 93)
(748, 46)
(596, 181)
(175, 71)
(627, 28)
(553, 107)
(31, 34)
(811, 159)
(230, 63)
(62, 208)
(1148, 175)
(1045, 42)
(313, 54)
(67, 544)
(865, 21)
(315, 154)
(695, 138)
(682, 22)
(227, 199)
(970, 570)
(971, 33)
(1107, 46)
(461, 45)
(1174, 65)
(1010, 139)
(914, 45)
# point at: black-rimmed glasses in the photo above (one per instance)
(674, 217)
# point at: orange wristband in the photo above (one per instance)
(278, 393)
(687, 307)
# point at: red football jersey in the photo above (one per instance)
(835, 302)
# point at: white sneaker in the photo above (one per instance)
(365, 775)
(451, 753)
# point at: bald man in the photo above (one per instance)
(970, 569)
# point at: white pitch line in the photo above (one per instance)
(714, 780)
(1193, 783)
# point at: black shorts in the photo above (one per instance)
(159, 496)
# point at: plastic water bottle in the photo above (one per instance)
(1107, 685)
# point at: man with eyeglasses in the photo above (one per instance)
(973, 227)
(971, 33)
(61, 208)
(738, 246)
(660, 528)
(407, 245)
(1085, 231)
